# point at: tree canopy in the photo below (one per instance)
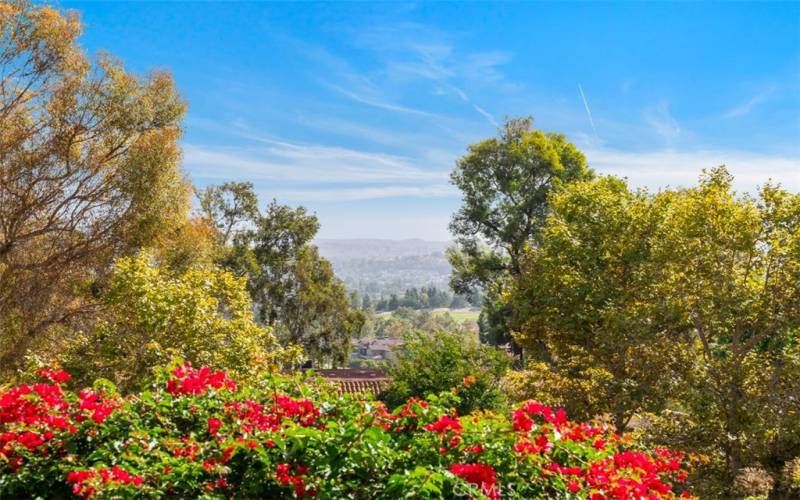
(430, 362)
(203, 315)
(88, 172)
(294, 289)
(685, 304)
(505, 183)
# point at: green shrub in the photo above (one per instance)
(434, 362)
(203, 314)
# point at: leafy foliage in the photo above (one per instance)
(88, 172)
(197, 433)
(685, 304)
(584, 294)
(294, 290)
(405, 320)
(433, 362)
(505, 183)
(203, 314)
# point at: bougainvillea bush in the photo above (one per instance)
(196, 433)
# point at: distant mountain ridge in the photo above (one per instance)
(363, 248)
(382, 267)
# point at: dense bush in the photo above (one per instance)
(432, 362)
(203, 314)
(197, 434)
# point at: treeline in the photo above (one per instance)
(405, 320)
(417, 298)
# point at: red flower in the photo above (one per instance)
(57, 376)
(522, 422)
(30, 440)
(284, 477)
(78, 479)
(480, 475)
(196, 382)
(444, 424)
(100, 406)
(573, 486)
(214, 425)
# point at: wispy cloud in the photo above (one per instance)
(662, 122)
(411, 142)
(463, 96)
(366, 193)
(377, 103)
(748, 106)
(661, 168)
(485, 114)
(408, 54)
(286, 162)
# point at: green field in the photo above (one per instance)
(461, 315)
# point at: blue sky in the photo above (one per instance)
(359, 111)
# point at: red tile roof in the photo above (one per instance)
(357, 380)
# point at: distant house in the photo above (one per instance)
(376, 349)
(357, 380)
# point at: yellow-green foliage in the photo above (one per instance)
(684, 304)
(203, 314)
(89, 171)
(583, 392)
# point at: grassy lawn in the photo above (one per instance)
(461, 315)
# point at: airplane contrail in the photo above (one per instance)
(588, 111)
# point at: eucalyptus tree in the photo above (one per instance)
(89, 171)
(505, 183)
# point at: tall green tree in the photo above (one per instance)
(505, 183)
(294, 289)
(582, 293)
(231, 206)
(729, 280)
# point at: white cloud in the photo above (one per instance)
(463, 96)
(377, 103)
(658, 169)
(588, 111)
(409, 53)
(283, 161)
(367, 193)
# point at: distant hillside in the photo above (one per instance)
(346, 249)
(382, 267)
